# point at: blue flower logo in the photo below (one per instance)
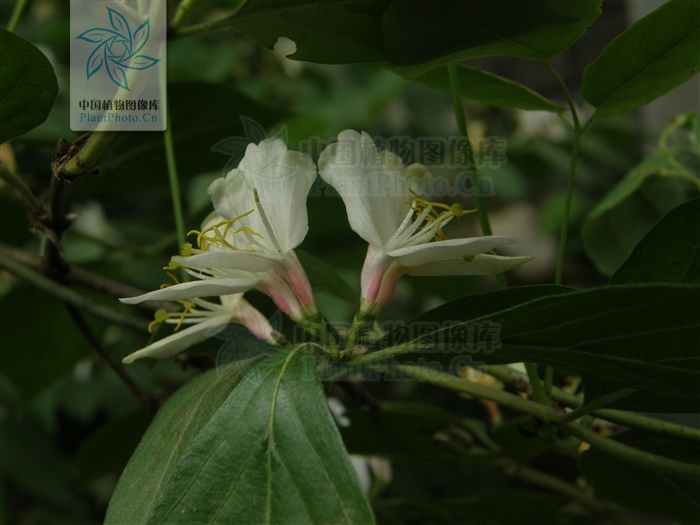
(236, 147)
(118, 48)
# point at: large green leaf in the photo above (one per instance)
(270, 454)
(630, 210)
(425, 31)
(669, 253)
(28, 86)
(485, 87)
(324, 31)
(614, 333)
(172, 431)
(641, 489)
(471, 307)
(652, 57)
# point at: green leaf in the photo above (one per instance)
(28, 86)
(641, 489)
(669, 253)
(612, 333)
(436, 33)
(641, 401)
(119, 437)
(485, 87)
(326, 32)
(649, 59)
(38, 352)
(630, 210)
(473, 307)
(172, 431)
(270, 454)
(324, 276)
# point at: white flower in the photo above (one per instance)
(224, 281)
(398, 225)
(262, 205)
(207, 319)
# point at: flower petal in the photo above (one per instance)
(371, 185)
(373, 269)
(446, 250)
(180, 341)
(232, 197)
(237, 260)
(282, 192)
(480, 265)
(204, 288)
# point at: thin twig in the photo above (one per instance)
(205, 27)
(16, 15)
(543, 413)
(68, 296)
(621, 417)
(147, 400)
(181, 12)
(95, 282)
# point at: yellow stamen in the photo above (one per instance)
(172, 265)
(160, 316)
(188, 306)
(419, 205)
(204, 241)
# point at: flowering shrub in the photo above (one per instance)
(379, 306)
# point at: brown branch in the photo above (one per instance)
(77, 276)
(67, 295)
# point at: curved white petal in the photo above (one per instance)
(180, 340)
(282, 193)
(260, 159)
(371, 185)
(481, 265)
(233, 197)
(446, 250)
(230, 195)
(204, 288)
(237, 260)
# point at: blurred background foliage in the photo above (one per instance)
(68, 425)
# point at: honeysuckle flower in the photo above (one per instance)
(404, 231)
(262, 205)
(217, 281)
(207, 319)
